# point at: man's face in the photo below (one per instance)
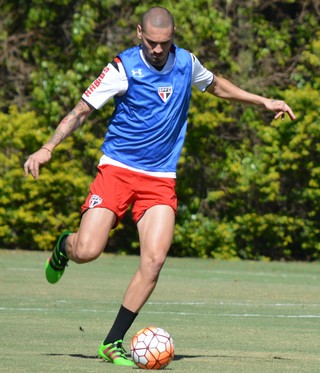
(156, 43)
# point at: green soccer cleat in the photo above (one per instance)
(115, 353)
(57, 263)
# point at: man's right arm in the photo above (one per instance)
(71, 122)
(112, 81)
(67, 126)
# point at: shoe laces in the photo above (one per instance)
(59, 261)
(63, 260)
(117, 346)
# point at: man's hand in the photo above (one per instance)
(281, 108)
(35, 160)
(223, 88)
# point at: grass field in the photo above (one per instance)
(223, 316)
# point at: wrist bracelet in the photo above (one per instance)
(43, 147)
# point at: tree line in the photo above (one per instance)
(248, 186)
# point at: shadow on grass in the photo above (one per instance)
(182, 357)
(179, 357)
(79, 356)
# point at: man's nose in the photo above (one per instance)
(158, 49)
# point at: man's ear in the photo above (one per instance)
(139, 32)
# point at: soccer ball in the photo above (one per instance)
(152, 348)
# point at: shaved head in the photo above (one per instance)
(156, 31)
(157, 17)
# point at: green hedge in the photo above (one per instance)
(261, 189)
(248, 186)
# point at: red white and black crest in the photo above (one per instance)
(94, 201)
(165, 93)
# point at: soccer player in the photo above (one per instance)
(151, 86)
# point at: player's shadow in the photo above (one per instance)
(176, 357)
(94, 357)
(182, 357)
(79, 356)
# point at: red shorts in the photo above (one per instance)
(117, 188)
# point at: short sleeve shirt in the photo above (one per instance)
(113, 81)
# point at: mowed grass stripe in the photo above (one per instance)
(223, 316)
(304, 316)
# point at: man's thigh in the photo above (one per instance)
(92, 237)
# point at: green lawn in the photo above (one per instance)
(223, 316)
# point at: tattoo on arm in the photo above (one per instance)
(57, 137)
(71, 122)
(75, 118)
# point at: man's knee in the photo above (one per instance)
(153, 264)
(82, 249)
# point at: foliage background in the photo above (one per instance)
(248, 186)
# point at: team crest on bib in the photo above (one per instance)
(165, 93)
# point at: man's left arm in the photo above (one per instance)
(223, 88)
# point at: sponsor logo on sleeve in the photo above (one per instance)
(97, 82)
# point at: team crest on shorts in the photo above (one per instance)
(165, 93)
(94, 201)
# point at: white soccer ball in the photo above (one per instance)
(152, 348)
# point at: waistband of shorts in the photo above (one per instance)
(107, 160)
